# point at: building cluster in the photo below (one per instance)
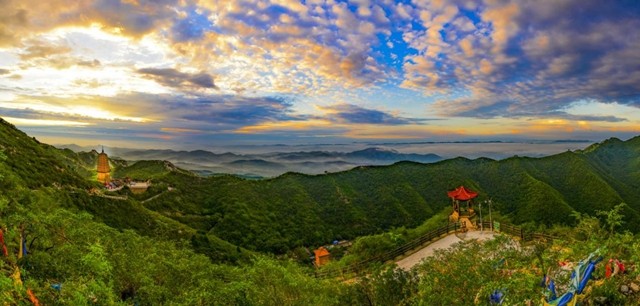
(104, 177)
(322, 256)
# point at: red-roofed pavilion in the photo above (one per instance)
(462, 194)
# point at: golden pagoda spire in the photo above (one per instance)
(104, 171)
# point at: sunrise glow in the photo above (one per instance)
(308, 71)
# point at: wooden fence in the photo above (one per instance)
(425, 240)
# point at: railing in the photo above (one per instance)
(518, 232)
(427, 239)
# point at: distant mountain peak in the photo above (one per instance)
(612, 140)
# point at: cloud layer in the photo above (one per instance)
(336, 67)
(173, 78)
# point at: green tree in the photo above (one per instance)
(388, 285)
(587, 227)
(613, 218)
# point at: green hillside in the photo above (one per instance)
(203, 241)
(280, 214)
(293, 210)
(147, 169)
(65, 179)
(32, 164)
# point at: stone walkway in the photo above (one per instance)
(444, 243)
(121, 198)
(153, 197)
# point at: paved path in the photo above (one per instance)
(446, 242)
(153, 197)
(121, 198)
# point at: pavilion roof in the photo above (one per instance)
(462, 194)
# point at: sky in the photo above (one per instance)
(196, 74)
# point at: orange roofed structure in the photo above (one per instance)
(322, 256)
(461, 194)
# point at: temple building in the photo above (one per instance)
(104, 170)
(322, 256)
(139, 187)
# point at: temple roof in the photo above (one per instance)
(461, 193)
(321, 251)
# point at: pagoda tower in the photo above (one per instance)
(104, 170)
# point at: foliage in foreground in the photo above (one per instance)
(96, 264)
(144, 257)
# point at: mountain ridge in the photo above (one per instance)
(293, 209)
(274, 163)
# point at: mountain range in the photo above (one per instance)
(281, 213)
(194, 240)
(268, 164)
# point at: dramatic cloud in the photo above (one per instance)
(274, 66)
(39, 49)
(347, 113)
(212, 113)
(174, 78)
(237, 111)
(533, 58)
(23, 18)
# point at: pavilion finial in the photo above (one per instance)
(102, 149)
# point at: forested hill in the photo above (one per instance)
(295, 209)
(279, 214)
(37, 179)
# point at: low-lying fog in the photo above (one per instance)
(273, 160)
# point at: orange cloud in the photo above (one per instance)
(44, 122)
(504, 26)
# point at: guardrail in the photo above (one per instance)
(517, 231)
(424, 240)
(390, 255)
